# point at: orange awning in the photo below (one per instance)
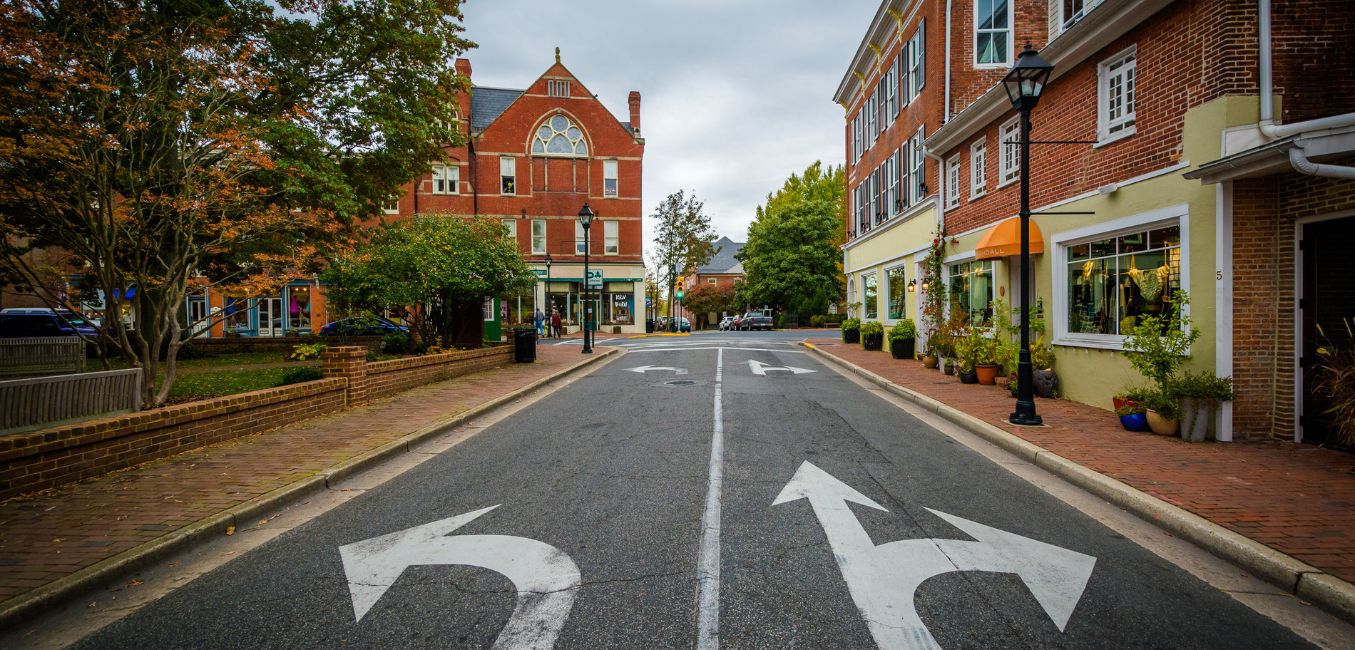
(1005, 239)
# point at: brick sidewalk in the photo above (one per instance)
(53, 534)
(1296, 499)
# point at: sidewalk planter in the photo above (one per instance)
(902, 337)
(987, 374)
(1161, 425)
(872, 336)
(1134, 422)
(930, 361)
(1046, 383)
(901, 349)
(851, 330)
(969, 377)
(1196, 414)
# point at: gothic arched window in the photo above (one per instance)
(559, 137)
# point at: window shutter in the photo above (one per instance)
(1055, 19)
(903, 75)
(921, 53)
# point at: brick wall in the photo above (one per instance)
(50, 457)
(388, 377)
(282, 345)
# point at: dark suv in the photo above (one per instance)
(20, 322)
(756, 320)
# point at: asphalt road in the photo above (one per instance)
(611, 477)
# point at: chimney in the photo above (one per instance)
(635, 111)
(463, 67)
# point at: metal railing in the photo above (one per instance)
(28, 403)
(43, 355)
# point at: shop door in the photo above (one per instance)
(1328, 299)
(270, 317)
(197, 314)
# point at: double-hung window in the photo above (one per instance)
(897, 291)
(917, 59)
(1009, 144)
(879, 194)
(904, 79)
(609, 178)
(508, 175)
(900, 198)
(953, 182)
(538, 236)
(511, 228)
(992, 33)
(872, 120)
(1115, 96)
(892, 90)
(978, 172)
(611, 243)
(446, 179)
(882, 97)
(892, 174)
(870, 295)
(580, 239)
(392, 205)
(918, 181)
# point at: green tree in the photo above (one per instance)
(224, 143)
(792, 260)
(705, 299)
(438, 267)
(686, 239)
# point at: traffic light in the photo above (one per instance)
(681, 281)
(679, 294)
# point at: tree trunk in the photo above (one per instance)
(467, 323)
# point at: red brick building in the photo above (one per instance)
(1187, 183)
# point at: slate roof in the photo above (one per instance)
(723, 260)
(487, 104)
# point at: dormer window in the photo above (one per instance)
(557, 87)
(559, 137)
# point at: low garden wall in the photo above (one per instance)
(63, 454)
(283, 344)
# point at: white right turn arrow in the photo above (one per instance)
(762, 369)
(882, 578)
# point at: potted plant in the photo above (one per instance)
(851, 330)
(902, 339)
(966, 355)
(1042, 360)
(1200, 394)
(1133, 417)
(988, 354)
(872, 335)
(930, 359)
(1164, 412)
(1335, 380)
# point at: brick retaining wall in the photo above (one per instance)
(281, 344)
(387, 377)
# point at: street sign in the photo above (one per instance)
(546, 579)
(882, 579)
(540, 273)
(594, 279)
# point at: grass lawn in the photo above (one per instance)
(204, 385)
(233, 359)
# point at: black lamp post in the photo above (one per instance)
(1024, 83)
(546, 295)
(586, 220)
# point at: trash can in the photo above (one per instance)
(524, 344)
(649, 326)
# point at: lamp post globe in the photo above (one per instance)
(586, 220)
(1024, 84)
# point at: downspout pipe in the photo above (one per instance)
(945, 110)
(1298, 158)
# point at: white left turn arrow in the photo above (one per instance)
(761, 369)
(545, 578)
(643, 369)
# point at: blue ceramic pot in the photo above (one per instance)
(1134, 422)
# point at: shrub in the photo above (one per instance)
(816, 321)
(903, 330)
(1336, 379)
(300, 375)
(1202, 385)
(1158, 345)
(851, 324)
(307, 351)
(869, 328)
(1163, 402)
(395, 343)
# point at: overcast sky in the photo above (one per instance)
(736, 94)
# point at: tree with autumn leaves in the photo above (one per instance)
(169, 146)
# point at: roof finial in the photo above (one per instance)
(557, 53)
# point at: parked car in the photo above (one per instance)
(736, 322)
(684, 325)
(726, 323)
(44, 321)
(756, 320)
(362, 326)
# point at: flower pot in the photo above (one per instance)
(1196, 414)
(969, 377)
(1046, 383)
(873, 341)
(851, 336)
(987, 374)
(1121, 402)
(948, 366)
(930, 361)
(902, 349)
(1134, 422)
(1162, 426)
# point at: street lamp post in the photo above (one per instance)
(546, 296)
(1024, 83)
(586, 220)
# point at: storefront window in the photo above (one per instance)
(1114, 281)
(299, 308)
(870, 296)
(971, 290)
(898, 291)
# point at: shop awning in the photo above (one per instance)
(1005, 239)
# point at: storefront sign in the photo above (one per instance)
(594, 279)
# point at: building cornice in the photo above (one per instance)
(1109, 21)
(889, 19)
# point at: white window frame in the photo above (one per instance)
(892, 175)
(609, 174)
(611, 239)
(512, 226)
(857, 131)
(953, 182)
(978, 170)
(579, 238)
(1059, 243)
(538, 224)
(872, 120)
(889, 289)
(904, 84)
(1009, 155)
(917, 172)
(917, 59)
(508, 164)
(446, 179)
(391, 206)
(865, 306)
(1011, 42)
(892, 91)
(1108, 131)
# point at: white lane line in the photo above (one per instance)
(713, 348)
(708, 562)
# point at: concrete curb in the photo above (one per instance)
(1299, 578)
(104, 572)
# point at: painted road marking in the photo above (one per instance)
(546, 579)
(632, 350)
(882, 578)
(643, 369)
(708, 561)
(761, 369)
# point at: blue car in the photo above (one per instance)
(43, 321)
(362, 326)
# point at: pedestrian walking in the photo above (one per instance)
(540, 319)
(555, 322)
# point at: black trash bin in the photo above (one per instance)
(524, 345)
(649, 326)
